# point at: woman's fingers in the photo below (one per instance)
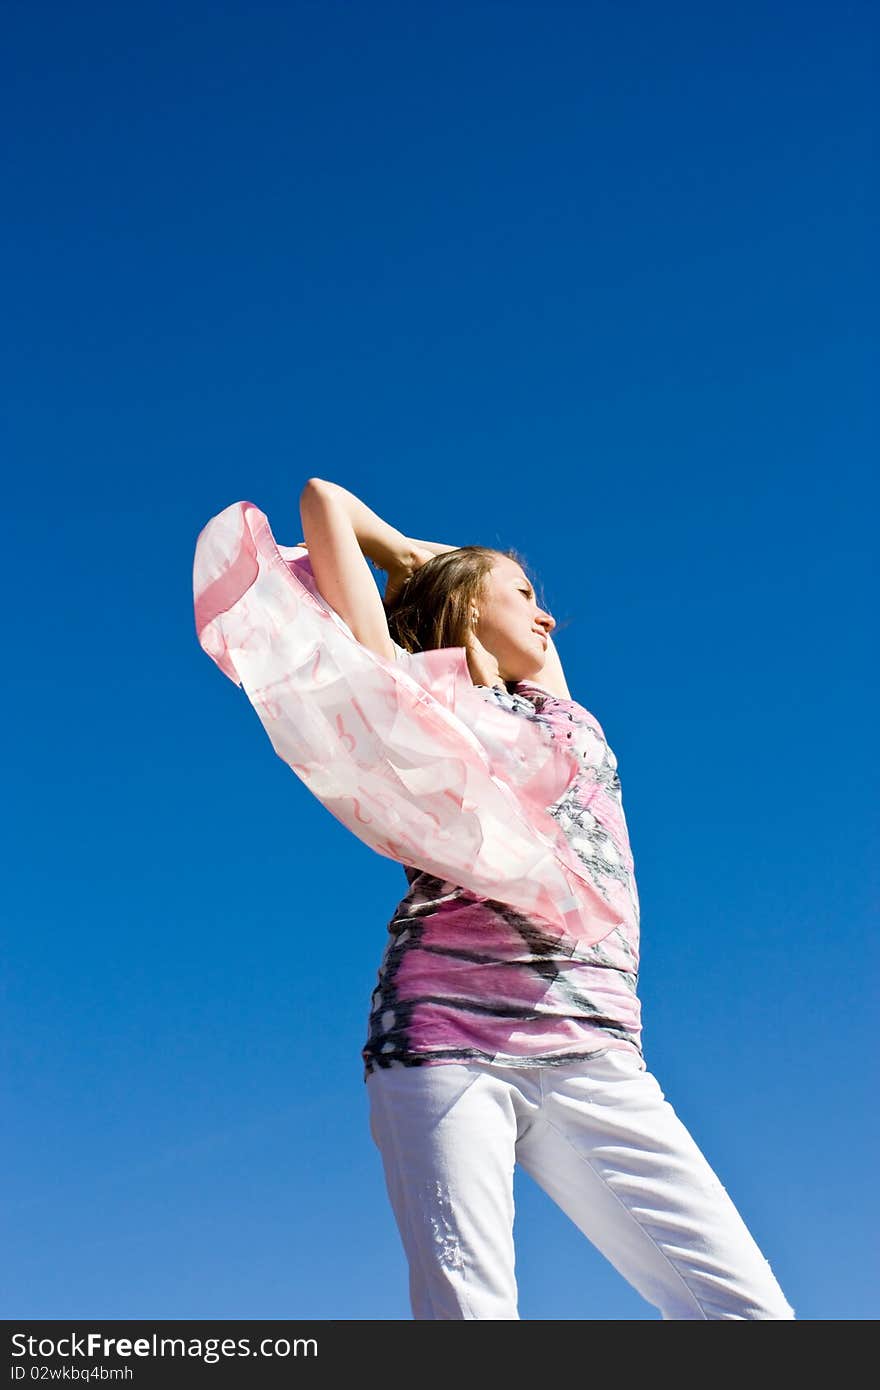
(435, 547)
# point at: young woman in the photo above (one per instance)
(505, 1023)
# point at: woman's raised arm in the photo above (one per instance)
(339, 530)
(551, 676)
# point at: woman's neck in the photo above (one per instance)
(483, 666)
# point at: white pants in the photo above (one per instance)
(602, 1140)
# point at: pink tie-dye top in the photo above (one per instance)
(470, 978)
(477, 789)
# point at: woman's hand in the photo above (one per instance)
(434, 546)
(399, 570)
(419, 553)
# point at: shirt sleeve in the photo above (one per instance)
(407, 753)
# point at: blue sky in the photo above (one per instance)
(588, 280)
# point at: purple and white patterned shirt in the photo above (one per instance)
(469, 978)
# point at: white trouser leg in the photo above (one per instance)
(447, 1136)
(612, 1153)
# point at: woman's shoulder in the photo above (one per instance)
(557, 707)
(523, 697)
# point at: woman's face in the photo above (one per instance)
(511, 625)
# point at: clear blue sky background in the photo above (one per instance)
(591, 280)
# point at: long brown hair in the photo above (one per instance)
(433, 607)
